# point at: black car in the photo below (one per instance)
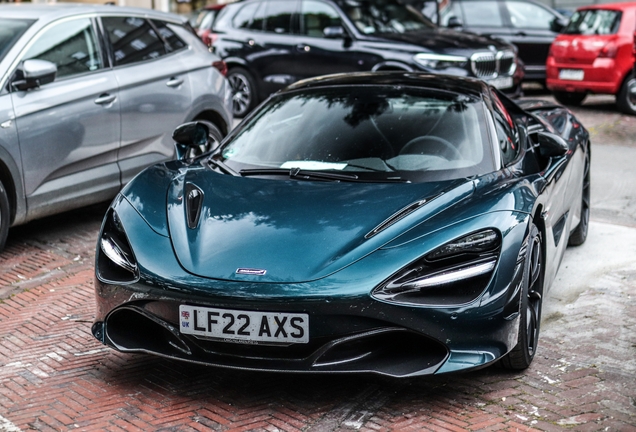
(269, 44)
(528, 24)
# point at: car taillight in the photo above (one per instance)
(221, 66)
(609, 50)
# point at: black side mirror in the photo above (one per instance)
(558, 24)
(552, 145)
(188, 136)
(454, 22)
(35, 73)
(335, 32)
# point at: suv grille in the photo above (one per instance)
(489, 65)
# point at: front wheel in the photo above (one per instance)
(626, 97)
(244, 90)
(5, 219)
(530, 311)
(569, 98)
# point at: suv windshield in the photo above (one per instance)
(375, 133)
(385, 16)
(10, 31)
(594, 22)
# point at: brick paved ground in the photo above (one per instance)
(55, 376)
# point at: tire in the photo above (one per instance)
(5, 216)
(245, 97)
(569, 98)
(214, 139)
(578, 236)
(521, 355)
(626, 97)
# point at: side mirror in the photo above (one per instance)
(335, 32)
(454, 22)
(190, 136)
(558, 24)
(35, 73)
(552, 145)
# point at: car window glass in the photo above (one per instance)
(316, 16)
(133, 39)
(454, 10)
(243, 19)
(506, 132)
(482, 14)
(528, 15)
(10, 32)
(385, 16)
(174, 42)
(277, 16)
(595, 21)
(71, 45)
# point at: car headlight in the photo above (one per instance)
(115, 259)
(440, 61)
(453, 274)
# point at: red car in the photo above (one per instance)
(595, 54)
(205, 20)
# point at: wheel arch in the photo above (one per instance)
(11, 180)
(539, 222)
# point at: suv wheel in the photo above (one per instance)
(626, 98)
(4, 216)
(569, 98)
(244, 90)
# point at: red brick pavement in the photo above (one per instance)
(55, 376)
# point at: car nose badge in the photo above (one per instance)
(251, 271)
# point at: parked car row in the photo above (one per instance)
(89, 96)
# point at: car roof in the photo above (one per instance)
(614, 6)
(50, 12)
(470, 86)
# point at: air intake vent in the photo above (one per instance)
(194, 201)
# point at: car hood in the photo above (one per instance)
(291, 231)
(444, 40)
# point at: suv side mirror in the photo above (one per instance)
(35, 73)
(454, 22)
(188, 136)
(552, 145)
(335, 32)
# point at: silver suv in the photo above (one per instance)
(89, 96)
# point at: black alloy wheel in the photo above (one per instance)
(530, 311)
(578, 236)
(214, 139)
(244, 91)
(626, 97)
(569, 98)
(5, 218)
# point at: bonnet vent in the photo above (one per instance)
(397, 216)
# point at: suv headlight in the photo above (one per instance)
(440, 61)
(453, 274)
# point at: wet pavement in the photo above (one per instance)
(55, 376)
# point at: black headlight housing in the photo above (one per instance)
(455, 273)
(115, 258)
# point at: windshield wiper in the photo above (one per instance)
(220, 165)
(297, 173)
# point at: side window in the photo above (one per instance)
(528, 15)
(278, 15)
(133, 39)
(71, 45)
(482, 14)
(316, 16)
(243, 19)
(174, 42)
(506, 132)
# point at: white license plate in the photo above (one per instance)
(501, 82)
(244, 326)
(571, 74)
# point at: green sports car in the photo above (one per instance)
(396, 223)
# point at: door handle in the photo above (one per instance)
(105, 99)
(303, 47)
(174, 82)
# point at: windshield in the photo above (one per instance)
(385, 16)
(10, 31)
(594, 22)
(377, 133)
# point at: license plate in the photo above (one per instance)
(244, 326)
(571, 74)
(501, 82)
